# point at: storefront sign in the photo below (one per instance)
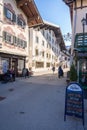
(74, 105)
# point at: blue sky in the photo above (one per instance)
(56, 12)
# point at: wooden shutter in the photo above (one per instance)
(4, 35)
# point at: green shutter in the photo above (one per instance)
(14, 18)
(4, 35)
(5, 11)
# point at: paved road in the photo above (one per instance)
(36, 103)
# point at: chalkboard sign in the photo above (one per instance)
(74, 103)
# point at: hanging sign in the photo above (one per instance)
(74, 103)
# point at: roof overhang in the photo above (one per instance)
(30, 10)
(56, 29)
(68, 1)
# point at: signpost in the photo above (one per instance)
(74, 103)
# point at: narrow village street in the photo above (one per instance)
(36, 103)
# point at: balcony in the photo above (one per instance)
(81, 42)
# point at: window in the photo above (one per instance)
(86, 18)
(5, 65)
(37, 39)
(20, 65)
(9, 14)
(47, 64)
(21, 22)
(47, 45)
(43, 32)
(49, 38)
(47, 55)
(39, 64)
(43, 53)
(8, 38)
(36, 52)
(50, 31)
(43, 43)
(47, 35)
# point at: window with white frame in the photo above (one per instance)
(9, 14)
(8, 38)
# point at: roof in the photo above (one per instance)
(68, 1)
(30, 10)
(55, 29)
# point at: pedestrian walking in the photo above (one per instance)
(53, 69)
(24, 72)
(60, 72)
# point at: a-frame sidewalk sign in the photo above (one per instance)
(74, 102)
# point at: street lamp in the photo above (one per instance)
(83, 21)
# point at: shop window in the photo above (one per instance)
(5, 65)
(47, 64)
(20, 65)
(39, 64)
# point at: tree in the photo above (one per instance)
(73, 73)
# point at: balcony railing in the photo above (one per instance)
(81, 41)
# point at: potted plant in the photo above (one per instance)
(73, 73)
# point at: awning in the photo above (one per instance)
(30, 10)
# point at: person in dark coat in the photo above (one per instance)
(60, 72)
(53, 69)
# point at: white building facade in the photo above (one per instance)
(45, 47)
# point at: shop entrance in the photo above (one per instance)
(14, 65)
(83, 73)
